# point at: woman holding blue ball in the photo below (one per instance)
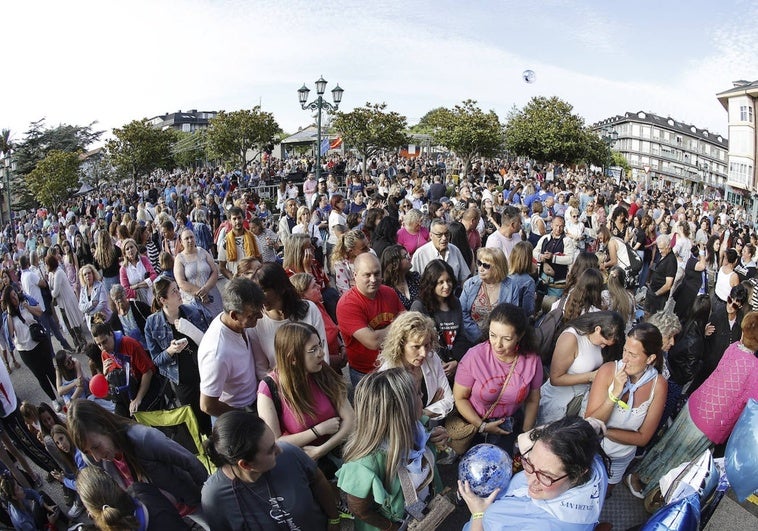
(562, 486)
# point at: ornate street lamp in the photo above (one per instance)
(317, 105)
(609, 136)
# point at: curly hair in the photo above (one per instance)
(406, 326)
(346, 243)
(586, 293)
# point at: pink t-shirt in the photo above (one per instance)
(288, 423)
(411, 242)
(716, 405)
(484, 374)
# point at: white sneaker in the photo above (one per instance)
(76, 510)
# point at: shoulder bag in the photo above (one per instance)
(461, 431)
(422, 516)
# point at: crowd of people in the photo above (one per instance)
(370, 329)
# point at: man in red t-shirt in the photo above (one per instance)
(363, 315)
(123, 352)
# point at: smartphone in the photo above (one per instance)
(182, 342)
(507, 424)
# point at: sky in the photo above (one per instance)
(109, 62)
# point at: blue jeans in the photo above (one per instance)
(51, 325)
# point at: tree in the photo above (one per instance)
(6, 146)
(40, 140)
(371, 130)
(545, 130)
(189, 148)
(139, 149)
(232, 134)
(619, 160)
(54, 177)
(465, 130)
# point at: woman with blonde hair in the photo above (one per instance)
(93, 297)
(142, 507)
(303, 400)
(412, 234)
(349, 245)
(137, 273)
(107, 258)
(481, 293)
(388, 440)
(520, 274)
(412, 343)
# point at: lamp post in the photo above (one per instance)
(609, 136)
(317, 105)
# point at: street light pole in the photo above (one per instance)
(317, 105)
(609, 137)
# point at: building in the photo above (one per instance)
(739, 102)
(187, 121)
(667, 154)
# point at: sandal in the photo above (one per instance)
(636, 493)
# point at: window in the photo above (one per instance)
(746, 113)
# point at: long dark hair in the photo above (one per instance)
(514, 316)
(429, 278)
(392, 258)
(271, 276)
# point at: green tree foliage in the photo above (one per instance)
(465, 130)
(547, 131)
(619, 160)
(139, 149)
(232, 134)
(189, 148)
(54, 177)
(371, 130)
(40, 140)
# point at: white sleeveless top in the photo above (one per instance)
(723, 288)
(555, 398)
(622, 254)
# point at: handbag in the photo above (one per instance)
(574, 405)
(422, 516)
(461, 431)
(36, 330)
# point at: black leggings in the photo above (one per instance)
(40, 362)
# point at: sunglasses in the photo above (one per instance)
(734, 303)
(484, 265)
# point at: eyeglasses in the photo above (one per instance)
(545, 480)
(734, 303)
(441, 234)
(484, 265)
(313, 351)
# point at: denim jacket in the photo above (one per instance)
(158, 335)
(470, 289)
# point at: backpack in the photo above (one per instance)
(547, 329)
(633, 268)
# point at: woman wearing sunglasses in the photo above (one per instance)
(562, 486)
(481, 293)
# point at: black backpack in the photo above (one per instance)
(547, 329)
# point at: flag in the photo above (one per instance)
(324, 146)
(336, 143)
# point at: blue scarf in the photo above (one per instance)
(647, 376)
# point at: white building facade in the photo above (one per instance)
(665, 153)
(740, 104)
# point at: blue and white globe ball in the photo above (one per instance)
(486, 467)
(529, 76)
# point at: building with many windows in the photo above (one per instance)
(739, 102)
(667, 154)
(187, 121)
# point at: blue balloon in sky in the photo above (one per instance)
(682, 515)
(486, 467)
(740, 455)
